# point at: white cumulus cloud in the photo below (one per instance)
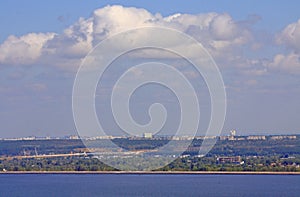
(25, 49)
(114, 19)
(219, 33)
(290, 36)
(289, 61)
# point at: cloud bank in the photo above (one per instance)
(224, 37)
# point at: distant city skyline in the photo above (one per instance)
(255, 44)
(224, 136)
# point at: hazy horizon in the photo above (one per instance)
(75, 134)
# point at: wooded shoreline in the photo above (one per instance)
(155, 172)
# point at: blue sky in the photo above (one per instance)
(259, 60)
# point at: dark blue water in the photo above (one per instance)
(149, 185)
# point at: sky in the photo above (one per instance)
(256, 45)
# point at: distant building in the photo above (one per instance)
(147, 135)
(232, 132)
(281, 137)
(256, 137)
(29, 138)
(223, 137)
(232, 160)
(74, 137)
(231, 136)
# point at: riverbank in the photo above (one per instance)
(155, 172)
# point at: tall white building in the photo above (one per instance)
(147, 135)
(232, 132)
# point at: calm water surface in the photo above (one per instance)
(148, 185)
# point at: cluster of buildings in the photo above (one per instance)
(234, 137)
(281, 137)
(28, 138)
(231, 160)
(231, 137)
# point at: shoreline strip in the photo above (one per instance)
(154, 172)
